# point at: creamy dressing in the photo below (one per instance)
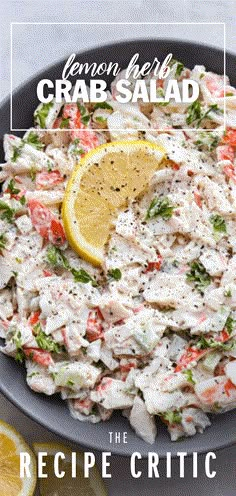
(151, 333)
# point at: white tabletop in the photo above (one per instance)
(35, 47)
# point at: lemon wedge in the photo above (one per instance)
(100, 185)
(11, 444)
(51, 486)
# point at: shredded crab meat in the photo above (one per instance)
(151, 333)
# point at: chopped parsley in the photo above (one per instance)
(82, 276)
(160, 207)
(229, 324)
(7, 213)
(16, 152)
(56, 258)
(205, 343)
(85, 117)
(33, 375)
(189, 376)
(65, 123)
(103, 105)
(3, 241)
(179, 67)
(45, 342)
(198, 275)
(219, 224)
(70, 383)
(196, 114)
(14, 191)
(33, 140)
(228, 293)
(81, 108)
(101, 119)
(74, 149)
(49, 166)
(115, 274)
(207, 140)
(22, 200)
(32, 173)
(172, 417)
(41, 114)
(11, 187)
(17, 341)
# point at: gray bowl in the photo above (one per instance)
(52, 412)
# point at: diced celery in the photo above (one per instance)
(211, 361)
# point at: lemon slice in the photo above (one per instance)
(53, 486)
(11, 444)
(102, 183)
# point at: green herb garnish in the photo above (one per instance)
(32, 173)
(74, 148)
(17, 341)
(65, 123)
(189, 376)
(16, 152)
(11, 187)
(160, 207)
(3, 241)
(33, 375)
(41, 114)
(101, 119)
(229, 324)
(179, 67)
(219, 224)
(103, 105)
(7, 213)
(198, 275)
(81, 108)
(49, 166)
(172, 417)
(115, 274)
(56, 258)
(228, 293)
(82, 276)
(45, 342)
(33, 140)
(205, 343)
(22, 200)
(195, 113)
(70, 383)
(85, 117)
(207, 140)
